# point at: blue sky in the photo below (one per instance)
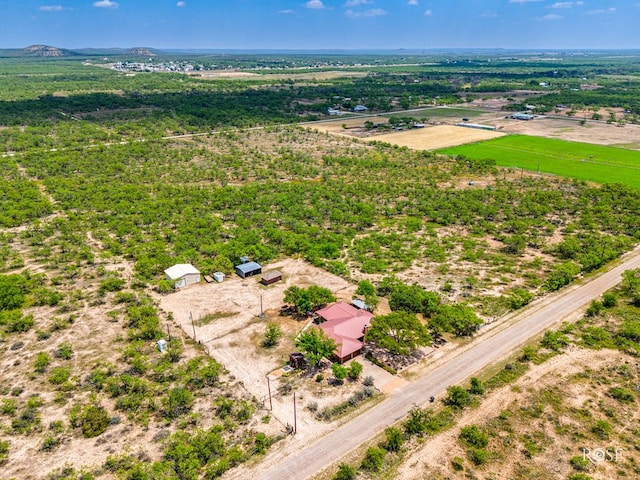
(321, 24)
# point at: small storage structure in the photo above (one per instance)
(296, 360)
(218, 277)
(271, 277)
(248, 269)
(182, 274)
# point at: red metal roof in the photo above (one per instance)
(346, 325)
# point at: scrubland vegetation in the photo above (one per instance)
(97, 200)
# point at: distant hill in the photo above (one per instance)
(142, 51)
(46, 51)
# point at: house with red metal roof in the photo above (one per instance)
(346, 325)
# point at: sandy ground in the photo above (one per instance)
(435, 454)
(234, 339)
(440, 136)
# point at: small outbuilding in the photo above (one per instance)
(218, 277)
(182, 274)
(248, 269)
(271, 277)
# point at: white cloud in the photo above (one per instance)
(488, 14)
(51, 8)
(375, 12)
(314, 4)
(428, 13)
(550, 16)
(602, 11)
(566, 4)
(412, 2)
(355, 3)
(106, 4)
(523, 1)
(181, 4)
(285, 12)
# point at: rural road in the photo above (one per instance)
(496, 346)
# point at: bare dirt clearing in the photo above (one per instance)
(430, 138)
(235, 335)
(433, 138)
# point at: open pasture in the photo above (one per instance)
(584, 161)
(432, 138)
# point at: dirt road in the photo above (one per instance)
(489, 349)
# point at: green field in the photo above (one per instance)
(583, 161)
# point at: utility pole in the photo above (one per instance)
(295, 420)
(193, 325)
(269, 389)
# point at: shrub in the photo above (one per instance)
(373, 459)
(622, 394)
(8, 407)
(319, 377)
(345, 472)
(355, 370)
(554, 340)
(458, 397)
(368, 381)
(472, 436)
(602, 428)
(50, 442)
(42, 362)
(457, 463)
(609, 300)
(59, 375)
(595, 307)
(478, 456)
(177, 402)
(476, 386)
(272, 335)
(579, 463)
(394, 439)
(339, 372)
(64, 351)
(4, 451)
(94, 420)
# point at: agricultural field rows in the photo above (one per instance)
(583, 161)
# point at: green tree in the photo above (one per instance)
(315, 344)
(368, 291)
(399, 332)
(355, 370)
(94, 420)
(272, 335)
(308, 299)
(373, 459)
(394, 439)
(458, 319)
(12, 292)
(339, 372)
(458, 397)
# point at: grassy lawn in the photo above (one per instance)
(583, 161)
